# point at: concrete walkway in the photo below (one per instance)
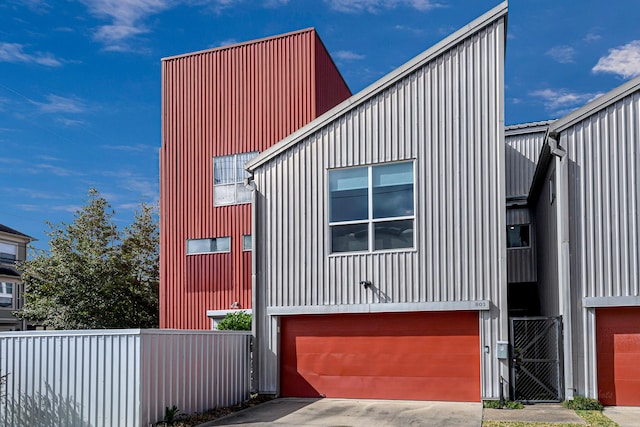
(625, 416)
(355, 413)
(540, 413)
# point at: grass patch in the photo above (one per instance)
(507, 404)
(596, 419)
(593, 419)
(583, 403)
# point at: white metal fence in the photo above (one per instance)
(119, 377)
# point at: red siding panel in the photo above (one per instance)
(618, 348)
(416, 356)
(231, 100)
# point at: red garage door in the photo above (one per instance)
(413, 356)
(618, 345)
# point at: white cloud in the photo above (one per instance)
(374, 6)
(623, 60)
(562, 101)
(562, 54)
(138, 148)
(347, 55)
(127, 18)
(60, 104)
(14, 52)
(592, 36)
(409, 29)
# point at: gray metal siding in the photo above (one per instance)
(521, 262)
(521, 158)
(447, 116)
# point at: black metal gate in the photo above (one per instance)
(536, 359)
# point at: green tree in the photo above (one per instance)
(95, 276)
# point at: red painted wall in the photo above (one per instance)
(229, 100)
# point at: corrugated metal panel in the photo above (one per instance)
(605, 205)
(521, 262)
(521, 156)
(119, 378)
(241, 99)
(447, 115)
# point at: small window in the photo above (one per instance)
(518, 236)
(8, 252)
(6, 294)
(228, 179)
(372, 208)
(207, 246)
(247, 242)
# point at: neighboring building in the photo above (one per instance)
(380, 250)
(13, 248)
(220, 108)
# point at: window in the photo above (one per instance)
(228, 179)
(247, 242)
(8, 252)
(518, 236)
(208, 246)
(371, 208)
(6, 294)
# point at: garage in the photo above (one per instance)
(412, 356)
(618, 353)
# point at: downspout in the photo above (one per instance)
(250, 184)
(564, 261)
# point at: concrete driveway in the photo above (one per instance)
(355, 413)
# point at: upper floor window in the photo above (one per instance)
(8, 252)
(518, 236)
(371, 208)
(6, 294)
(228, 179)
(247, 242)
(208, 246)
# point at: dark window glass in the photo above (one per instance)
(393, 190)
(350, 238)
(393, 234)
(348, 190)
(518, 236)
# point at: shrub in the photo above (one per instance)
(583, 403)
(236, 321)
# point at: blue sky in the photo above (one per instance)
(80, 79)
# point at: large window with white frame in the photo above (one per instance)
(371, 208)
(228, 179)
(208, 246)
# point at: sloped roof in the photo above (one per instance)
(596, 105)
(236, 45)
(9, 230)
(8, 271)
(375, 88)
(531, 127)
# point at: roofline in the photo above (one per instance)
(597, 104)
(236, 45)
(381, 84)
(16, 235)
(524, 128)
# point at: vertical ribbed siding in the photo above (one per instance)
(331, 88)
(448, 117)
(119, 378)
(521, 157)
(521, 262)
(240, 99)
(604, 179)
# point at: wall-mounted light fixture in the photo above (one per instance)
(366, 283)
